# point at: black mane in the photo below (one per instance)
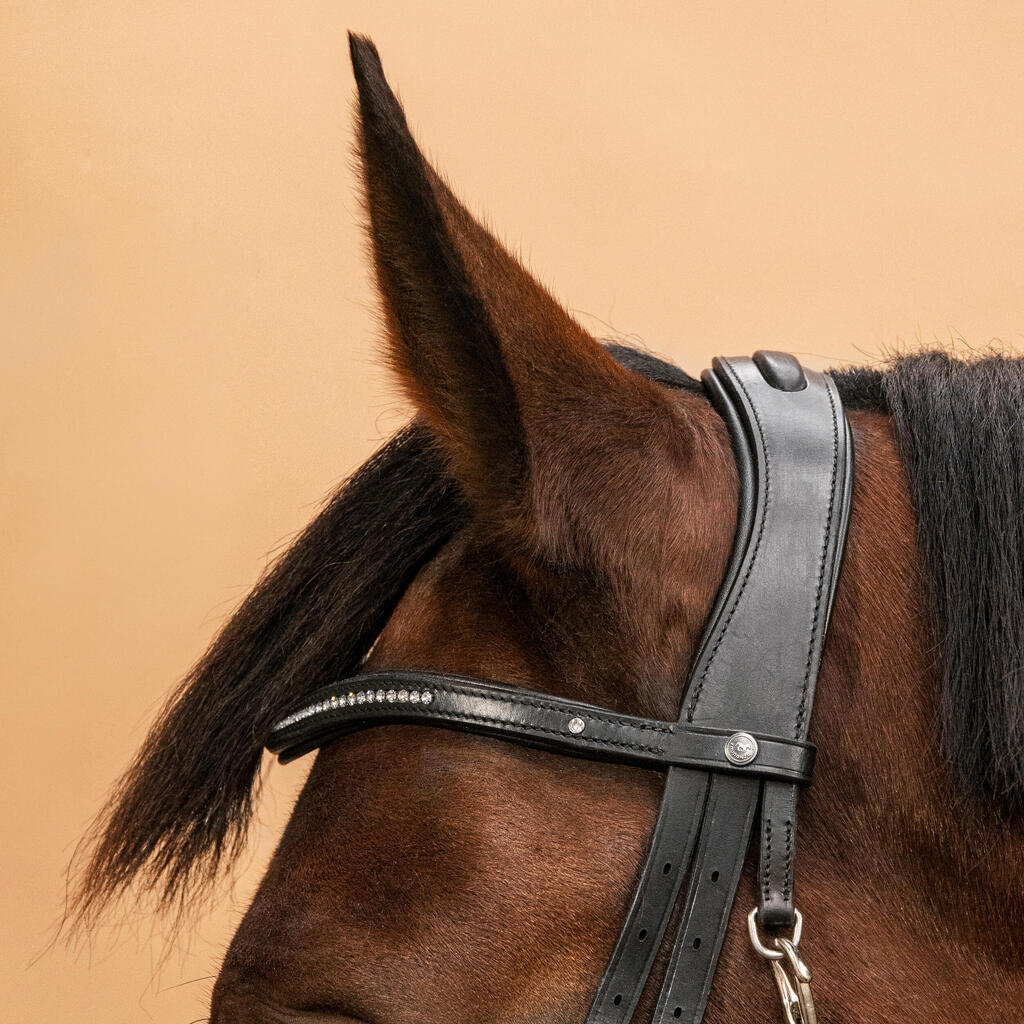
(960, 428)
(184, 806)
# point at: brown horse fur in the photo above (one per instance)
(428, 876)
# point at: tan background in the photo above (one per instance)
(189, 355)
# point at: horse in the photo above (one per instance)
(560, 514)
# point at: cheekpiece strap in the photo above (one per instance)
(758, 664)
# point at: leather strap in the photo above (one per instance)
(760, 653)
(715, 874)
(793, 449)
(668, 857)
(523, 716)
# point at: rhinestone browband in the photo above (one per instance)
(350, 699)
(525, 716)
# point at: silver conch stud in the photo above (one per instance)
(740, 748)
(576, 725)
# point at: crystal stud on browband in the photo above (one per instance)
(351, 699)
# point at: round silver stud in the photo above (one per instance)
(576, 725)
(740, 748)
(403, 696)
(426, 697)
(414, 696)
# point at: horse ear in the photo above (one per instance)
(531, 412)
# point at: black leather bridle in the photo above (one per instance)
(741, 737)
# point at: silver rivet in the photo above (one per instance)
(740, 748)
(403, 696)
(414, 696)
(576, 726)
(392, 696)
(426, 697)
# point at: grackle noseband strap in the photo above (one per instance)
(740, 742)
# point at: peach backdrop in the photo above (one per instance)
(189, 348)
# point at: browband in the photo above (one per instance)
(741, 738)
(535, 719)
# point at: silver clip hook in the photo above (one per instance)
(791, 973)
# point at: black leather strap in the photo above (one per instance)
(522, 716)
(668, 857)
(683, 800)
(716, 871)
(762, 652)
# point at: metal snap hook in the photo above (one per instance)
(790, 971)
